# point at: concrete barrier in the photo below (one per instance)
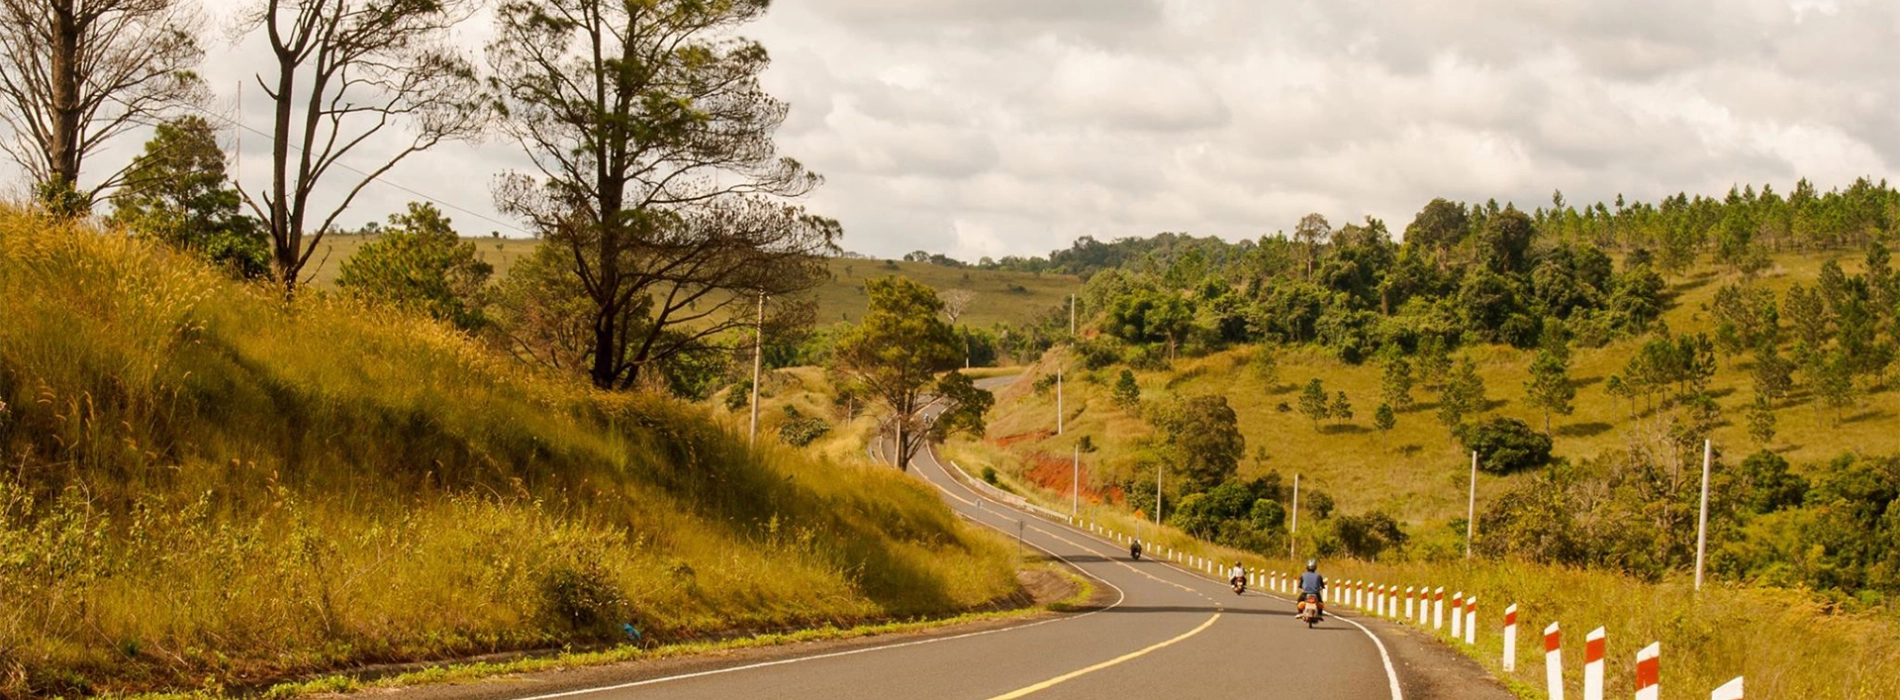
(1554, 662)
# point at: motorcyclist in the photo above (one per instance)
(1236, 575)
(1311, 583)
(1134, 550)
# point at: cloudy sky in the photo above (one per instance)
(999, 127)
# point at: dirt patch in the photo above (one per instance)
(1009, 440)
(1058, 474)
(1047, 586)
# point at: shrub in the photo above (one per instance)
(1507, 445)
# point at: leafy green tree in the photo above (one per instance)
(1550, 387)
(420, 263)
(1313, 402)
(1341, 410)
(897, 355)
(1745, 317)
(1636, 299)
(1202, 435)
(1504, 242)
(1462, 396)
(1384, 419)
(178, 192)
(1761, 420)
(1395, 383)
(1127, 393)
(1507, 445)
(1438, 229)
(650, 138)
(1810, 315)
(1266, 365)
(1773, 374)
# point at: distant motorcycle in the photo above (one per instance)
(1311, 610)
(1134, 551)
(1239, 583)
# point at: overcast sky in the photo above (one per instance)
(999, 127)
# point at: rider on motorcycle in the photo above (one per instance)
(1236, 575)
(1311, 583)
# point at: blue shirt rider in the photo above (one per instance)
(1312, 583)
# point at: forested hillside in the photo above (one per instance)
(1584, 352)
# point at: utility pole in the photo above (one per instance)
(1158, 468)
(1292, 541)
(1058, 397)
(758, 365)
(1075, 490)
(1702, 518)
(1471, 507)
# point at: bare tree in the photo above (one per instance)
(76, 73)
(344, 72)
(656, 169)
(955, 302)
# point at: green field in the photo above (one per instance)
(1001, 297)
(1418, 473)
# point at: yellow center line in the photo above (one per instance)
(1072, 675)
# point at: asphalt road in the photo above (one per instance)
(1166, 633)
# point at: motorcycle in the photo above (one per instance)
(1311, 610)
(1239, 583)
(1134, 551)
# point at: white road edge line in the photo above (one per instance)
(1385, 657)
(1120, 597)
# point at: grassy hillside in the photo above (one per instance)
(1001, 297)
(207, 486)
(1417, 472)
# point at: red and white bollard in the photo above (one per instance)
(1593, 665)
(1731, 690)
(1510, 638)
(1389, 600)
(1649, 672)
(1471, 621)
(1457, 615)
(1409, 616)
(1438, 609)
(1554, 662)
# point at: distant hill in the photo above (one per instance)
(1001, 296)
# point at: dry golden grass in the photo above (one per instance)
(208, 485)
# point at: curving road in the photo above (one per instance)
(1166, 633)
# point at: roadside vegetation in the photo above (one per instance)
(207, 485)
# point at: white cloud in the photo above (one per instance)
(993, 127)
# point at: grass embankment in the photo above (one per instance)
(1418, 472)
(207, 486)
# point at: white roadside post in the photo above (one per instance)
(1649, 672)
(1593, 665)
(1471, 508)
(1471, 621)
(1554, 662)
(1510, 638)
(1731, 690)
(1408, 605)
(1457, 614)
(1702, 517)
(1438, 609)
